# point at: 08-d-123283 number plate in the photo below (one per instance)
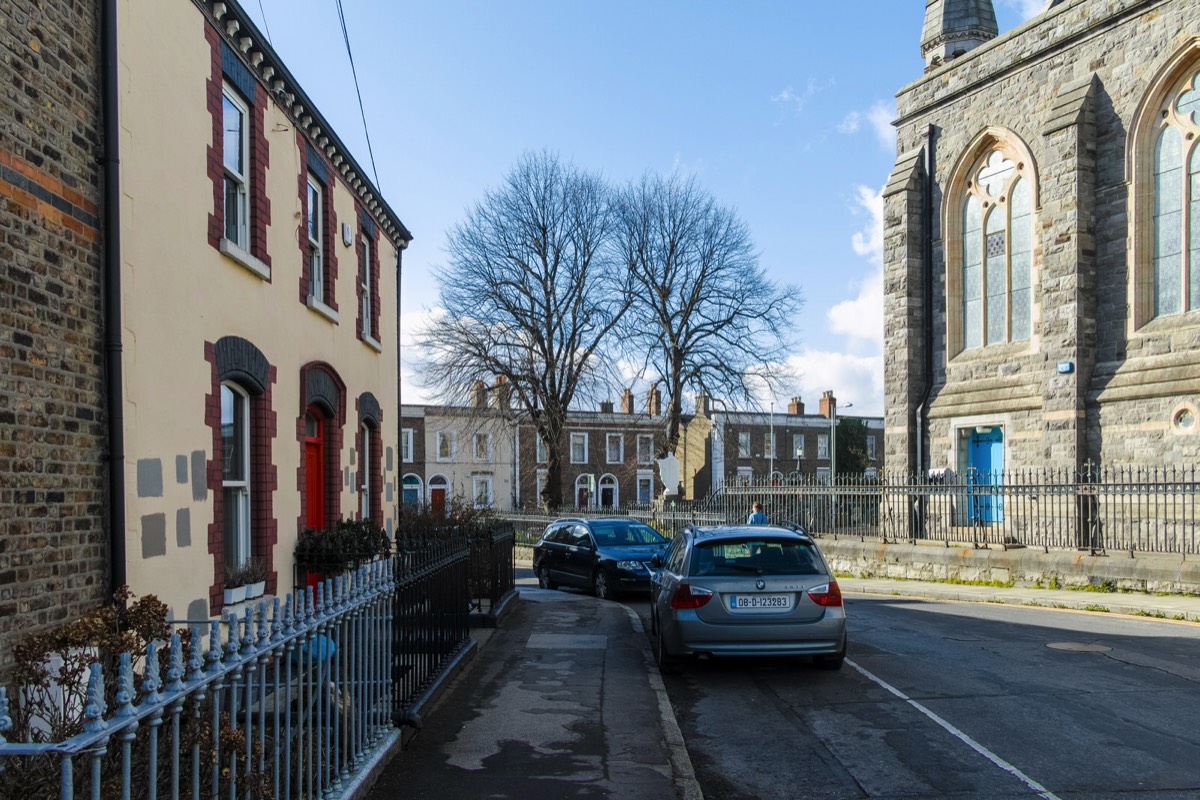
(760, 602)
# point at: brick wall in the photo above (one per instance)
(53, 540)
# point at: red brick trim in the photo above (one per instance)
(259, 155)
(375, 304)
(41, 193)
(376, 465)
(334, 436)
(264, 479)
(330, 242)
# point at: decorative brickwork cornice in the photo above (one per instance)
(240, 33)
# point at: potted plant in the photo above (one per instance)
(255, 574)
(235, 584)
(322, 554)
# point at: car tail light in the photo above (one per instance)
(828, 595)
(687, 596)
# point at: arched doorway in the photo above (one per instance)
(583, 491)
(439, 492)
(609, 492)
(314, 468)
(411, 491)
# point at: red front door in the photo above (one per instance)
(314, 472)
(437, 501)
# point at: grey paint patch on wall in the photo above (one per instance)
(199, 475)
(353, 456)
(389, 527)
(387, 454)
(353, 482)
(181, 469)
(198, 609)
(183, 527)
(149, 477)
(390, 490)
(346, 476)
(154, 535)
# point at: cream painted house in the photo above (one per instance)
(469, 456)
(259, 286)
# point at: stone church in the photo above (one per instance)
(1042, 241)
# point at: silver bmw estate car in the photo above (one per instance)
(745, 590)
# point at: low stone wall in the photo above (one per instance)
(1143, 572)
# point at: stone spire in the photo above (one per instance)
(952, 27)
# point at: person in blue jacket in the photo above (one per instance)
(757, 517)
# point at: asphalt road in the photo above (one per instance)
(958, 700)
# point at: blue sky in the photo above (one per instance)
(781, 109)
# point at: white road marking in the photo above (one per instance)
(967, 740)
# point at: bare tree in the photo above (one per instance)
(532, 290)
(704, 315)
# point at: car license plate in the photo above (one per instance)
(760, 602)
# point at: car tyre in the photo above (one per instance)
(667, 663)
(600, 585)
(831, 661)
(544, 579)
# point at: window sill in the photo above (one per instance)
(1169, 323)
(992, 352)
(372, 343)
(322, 309)
(232, 251)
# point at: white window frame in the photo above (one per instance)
(769, 444)
(823, 446)
(486, 439)
(483, 482)
(645, 444)
(582, 438)
(645, 477)
(743, 439)
(365, 278)
(871, 447)
(745, 476)
(542, 452)
(823, 475)
(240, 180)
(798, 446)
(607, 480)
(539, 484)
(235, 490)
(608, 448)
(315, 231)
(406, 445)
(438, 438)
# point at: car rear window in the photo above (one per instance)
(754, 556)
(616, 534)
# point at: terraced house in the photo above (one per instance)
(1042, 240)
(200, 340)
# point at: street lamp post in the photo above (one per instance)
(833, 441)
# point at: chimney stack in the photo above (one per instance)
(478, 395)
(654, 402)
(703, 404)
(502, 394)
(606, 407)
(796, 407)
(627, 402)
(828, 404)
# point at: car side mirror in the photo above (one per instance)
(656, 561)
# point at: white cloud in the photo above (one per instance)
(412, 393)
(797, 100)
(853, 379)
(880, 118)
(850, 123)
(868, 242)
(1028, 9)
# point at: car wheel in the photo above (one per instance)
(832, 661)
(600, 585)
(667, 663)
(544, 579)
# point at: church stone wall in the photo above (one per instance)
(1126, 387)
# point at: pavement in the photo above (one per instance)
(563, 699)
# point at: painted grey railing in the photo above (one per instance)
(291, 701)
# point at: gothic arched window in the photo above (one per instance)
(1175, 256)
(995, 275)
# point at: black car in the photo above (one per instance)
(605, 555)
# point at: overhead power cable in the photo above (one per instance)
(265, 25)
(361, 110)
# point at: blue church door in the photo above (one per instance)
(985, 465)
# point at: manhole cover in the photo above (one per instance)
(1079, 647)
